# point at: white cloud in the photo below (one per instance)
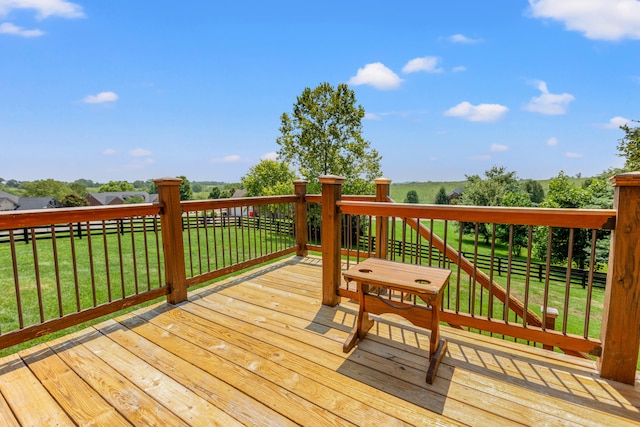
(596, 19)
(549, 103)
(233, 158)
(616, 122)
(371, 116)
(459, 68)
(426, 63)
(498, 147)
(43, 8)
(461, 38)
(109, 152)
(571, 155)
(376, 75)
(272, 155)
(140, 152)
(552, 142)
(9, 28)
(101, 98)
(477, 113)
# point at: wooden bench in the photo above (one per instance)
(426, 283)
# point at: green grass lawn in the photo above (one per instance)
(63, 277)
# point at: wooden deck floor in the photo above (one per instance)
(260, 349)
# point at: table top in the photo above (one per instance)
(398, 275)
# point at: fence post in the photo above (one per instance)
(620, 332)
(302, 232)
(172, 242)
(382, 222)
(549, 322)
(331, 244)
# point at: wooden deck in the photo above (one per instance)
(260, 349)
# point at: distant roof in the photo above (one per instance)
(457, 192)
(27, 203)
(239, 193)
(108, 196)
(12, 197)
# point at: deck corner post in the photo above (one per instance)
(301, 230)
(383, 186)
(331, 244)
(172, 241)
(620, 331)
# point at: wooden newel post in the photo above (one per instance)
(172, 243)
(302, 231)
(382, 222)
(620, 333)
(331, 246)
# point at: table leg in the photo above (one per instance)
(435, 325)
(363, 322)
(437, 346)
(435, 361)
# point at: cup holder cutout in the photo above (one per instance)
(423, 281)
(365, 270)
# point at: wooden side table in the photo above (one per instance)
(427, 283)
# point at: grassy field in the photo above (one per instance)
(427, 190)
(66, 278)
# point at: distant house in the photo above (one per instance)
(8, 201)
(455, 194)
(111, 198)
(241, 210)
(11, 202)
(29, 203)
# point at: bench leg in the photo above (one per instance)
(363, 324)
(435, 360)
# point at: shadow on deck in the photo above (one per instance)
(260, 349)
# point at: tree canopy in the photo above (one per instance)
(114, 186)
(186, 193)
(441, 197)
(47, 188)
(564, 194)
(269, 178)
(629, 147)
(323, 136)
(412, 197)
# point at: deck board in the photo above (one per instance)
(260, 349)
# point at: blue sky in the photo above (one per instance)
(128, 90)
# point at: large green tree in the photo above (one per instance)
(323, 136)
(186, 193)
(269, 178)
(565, 194)
(488, 192)
(47, 188)
(441, 197)
(412, 197)
(534, 189)
(629, 146)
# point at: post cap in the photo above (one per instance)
(331, 179)
(628, 179)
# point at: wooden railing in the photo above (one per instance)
(506, 306)
(62, 267)
(58, 277)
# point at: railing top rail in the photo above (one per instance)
(200, 205)
(317, 198)
(569, 218)
(45, 217)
